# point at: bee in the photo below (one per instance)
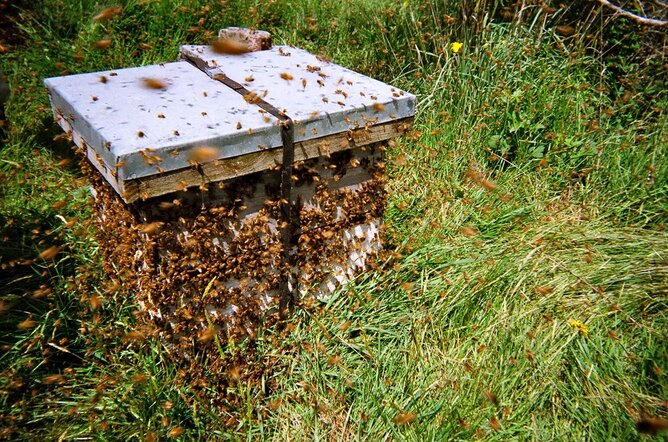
(95, 302)
(490, 396)
(229, 46)
(54, 379)
(108, 13)
(63, 163)
(304, 83)
(334, 360)
(249, 79)
(239, 125)
(29, 322)
(140, 134)
(651, 425)
(103, 79)
(151, 228)
(251, 97)
(59, 204)
(404, 418)
(378, 107)
(544, 290)
(133, 336)
(103, 44)
(468, 231)
(94, 98)
(139, 378)
(202, 154)
(206, 335)
(175, 432)
(154, 83)
(49, 253)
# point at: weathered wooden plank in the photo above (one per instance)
(221, 170)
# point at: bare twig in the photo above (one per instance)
(636, 18)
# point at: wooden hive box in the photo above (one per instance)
(198, 216)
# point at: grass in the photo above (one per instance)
(524, 296)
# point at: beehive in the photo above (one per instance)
(198, 214)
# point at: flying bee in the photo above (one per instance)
(103, 44)
(206, 335)
(95, 302)
(154, 83)
(468, 231)
(175, 432)
(490, 396)
(49, 253)
(108, 13)
(229, 46)
(29, 322)
(378, 107)
(151, 228)
(59, 204)
(202, 154)
(543, 290)
(404, 418)
(139, 378)
(54, 379)
(651, 425)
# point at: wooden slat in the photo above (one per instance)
(220, 170)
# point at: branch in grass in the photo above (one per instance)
(647, 21)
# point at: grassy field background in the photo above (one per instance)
(525, 292)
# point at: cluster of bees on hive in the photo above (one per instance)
(207, 263)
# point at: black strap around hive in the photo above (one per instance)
(288, 287)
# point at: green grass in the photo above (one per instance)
(461, 333)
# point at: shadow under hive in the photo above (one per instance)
(185, 160)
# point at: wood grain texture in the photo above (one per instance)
(144, 189)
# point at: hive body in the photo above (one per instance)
(202, 241)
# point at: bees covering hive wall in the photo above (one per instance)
(193, 212)
(169, 250)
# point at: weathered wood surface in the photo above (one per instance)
(220, 170)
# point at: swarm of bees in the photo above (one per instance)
(206, 263)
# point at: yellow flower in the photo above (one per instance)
(579, 326)
(456, 46)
